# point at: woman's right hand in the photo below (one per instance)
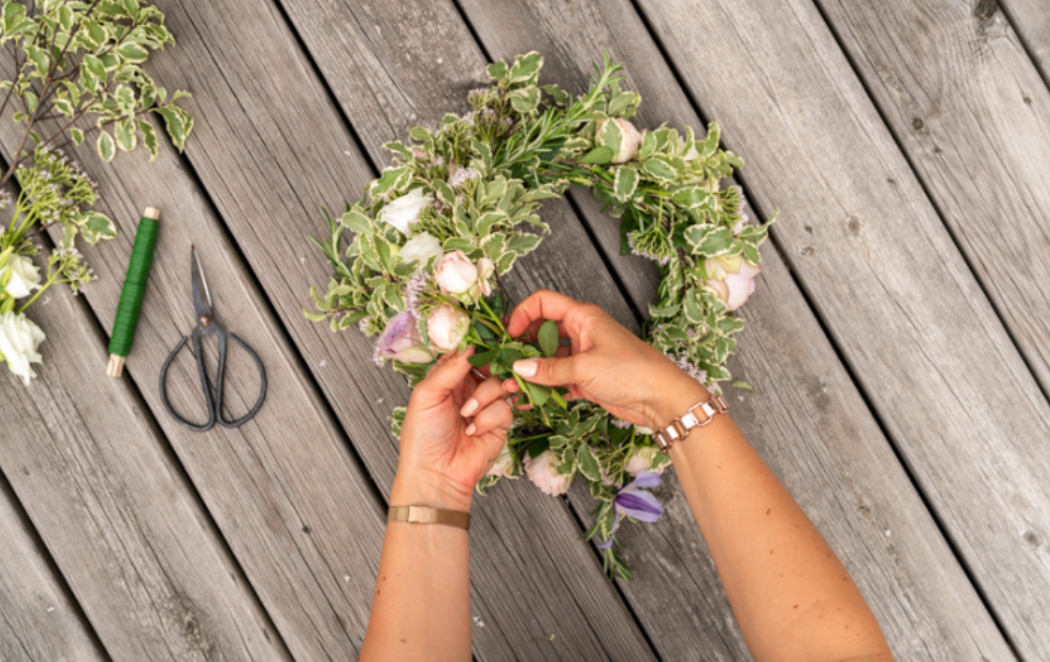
(606, 364)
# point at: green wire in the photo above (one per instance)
(134, 287)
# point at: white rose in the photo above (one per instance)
(404, 211)
(455, 273)
(19, 339)
(732, 278)
(22, 276)
(447, 327)
(543, 472)
(420, 249)
(504, 466)
(641, 459)
(629, 143)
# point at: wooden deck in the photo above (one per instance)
(899, 341)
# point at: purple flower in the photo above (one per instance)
(633, 500)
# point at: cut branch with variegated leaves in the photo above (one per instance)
(75, 74)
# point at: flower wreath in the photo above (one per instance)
(458, 209)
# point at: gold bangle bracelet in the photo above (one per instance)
(416, 514)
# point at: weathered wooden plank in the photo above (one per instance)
(270, 150)
(806, 403)
(117, 515)
(292, 502)
(1032, 22)
(882, 271)
(39, 619)
(973, 115)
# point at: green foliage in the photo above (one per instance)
(480, 179)
(76, 70)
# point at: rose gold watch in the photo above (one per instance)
(698, 416)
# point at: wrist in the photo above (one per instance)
(674, 398)
(424, 487)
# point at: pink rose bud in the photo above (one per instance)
(542, 471)
(455, 273)
(630, 142)
(732, 278)
(486, 270)
(447, 327)
(401, 341)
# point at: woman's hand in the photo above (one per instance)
(607, 364)
(443, 454)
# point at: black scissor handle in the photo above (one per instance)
(205, 385)
(214, 404)
(262, 393)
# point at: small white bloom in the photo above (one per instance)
(404, 211)
(420, 249)
(641, 459)
(543, 472)
(504, 465)
(641, 429)
(19, 339)
(22, 276)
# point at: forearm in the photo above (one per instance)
(421, 604)
(793, 599)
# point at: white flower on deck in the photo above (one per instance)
(19, 339)
(543, 472)
(19, 276)
(420, 249)
(404, 211)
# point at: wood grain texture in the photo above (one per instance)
(39, 619)
(1031, 20)
(898, 298)
(807, 418)
(292, 502)
(973, 115)
(271, 149)
(114, 510)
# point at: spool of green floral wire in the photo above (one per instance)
(134, 289)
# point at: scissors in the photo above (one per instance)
(207, 325)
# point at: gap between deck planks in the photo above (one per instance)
(293, 505)
(1031, 20)
(926, 346)
(972, 114)
(269, 149)
(428, 81)
(39, 619)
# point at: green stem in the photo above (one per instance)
(49, 283)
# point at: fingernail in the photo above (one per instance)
(471, 429)
(469, 408)
(526, 367)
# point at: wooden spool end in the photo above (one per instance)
(152, 212)
(115, 367)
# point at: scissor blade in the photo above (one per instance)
(201, 294)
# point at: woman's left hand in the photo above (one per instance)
(453, 432)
